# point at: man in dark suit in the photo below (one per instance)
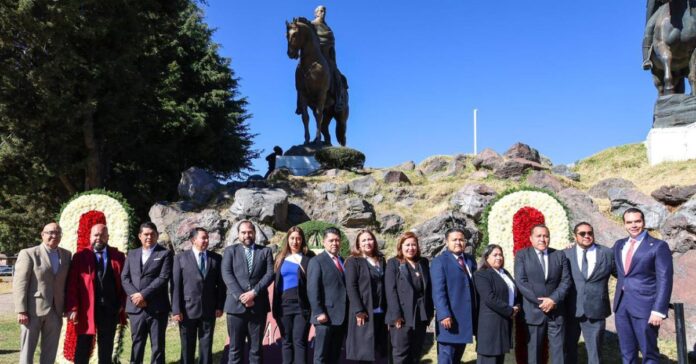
(198, 296)
(145, 277)
(543, 278)
(587, 304)
(247, 270)
(326, 290)
(643, 289)
(95, 299)
(454, 297)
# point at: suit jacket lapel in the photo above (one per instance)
(43, 256)
(618, 256)
(152, 257)
(194, 263)
(403, 270)
(574, 260)
(138, 257)
(638, 254)
(241, 260)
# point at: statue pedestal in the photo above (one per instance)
(298, 165)
(671, 144)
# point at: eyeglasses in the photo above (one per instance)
(585, 233)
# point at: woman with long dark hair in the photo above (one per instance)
(290, 303)
(498, 304)
(366, 340)
(409, 300)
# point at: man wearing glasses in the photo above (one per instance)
(591, 265)
(39, 295)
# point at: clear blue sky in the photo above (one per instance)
(562, 76)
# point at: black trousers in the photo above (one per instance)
(407, 343)
(328, 342)
(106, 331)
(240, 328)
(295, 332)
(142, 325)
(192, 330)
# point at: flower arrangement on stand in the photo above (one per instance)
(77, 217)
(508, 221)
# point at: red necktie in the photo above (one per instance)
(629, 255)
(338, 264)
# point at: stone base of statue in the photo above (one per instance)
(673, 135)
(299, 159)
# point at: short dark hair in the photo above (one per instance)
(331, 230)
(456, 230)
(633, 210)
(147, 225)
(581, 223)
(539, 226)
(487, 251)
(195, 231)
(246, 222)
(278, 150)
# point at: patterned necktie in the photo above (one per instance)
(338, 264)
(201, 264)
(585, 265)
(248, 251)
(543, 263)
(629, 255)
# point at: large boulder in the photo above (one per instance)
(175, 225)
(514, 168)
(391, 224)
(356, 213)
(264, 234)
(582, 208)
(523, 151)
(624, 198)
(674, 195)
(434, 164)
(564, 170)
(363, 186)
(488, 159)
(456, 165)
(431, 233)
(472, 199)
(406, 166)
(679, 229)
(267, 206)
(544, 180)
(197, 185)
(395, 177)
(599, 189)
(683, 291)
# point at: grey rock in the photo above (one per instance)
(264, 234)
(330, 187)
(674, 195)
(564, 170)
(582, 208)
(265, 205)
(544, 180)
(363, 186)
(471, 200)
(391, 223)
(523, 151)
(406, 201)
(356, 213)
(488, 159)
(514, 168)
(396, 177)
(208, 219)
(433, 164)
(378, 198)
(431, 233)
(456, 165)
(545, 161)
(296, 215)
(406, 166)
(334, 172)
(197, 185)
(679, 229)
(279, 174)
(599, 189)
(479, 175)
(624, 198)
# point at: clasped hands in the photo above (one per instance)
(547, 304)
(247, 298)
(361, 318)
(138, 300)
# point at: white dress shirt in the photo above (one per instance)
(591, 258)
(511, 287)
(146, 255)
(546, 261)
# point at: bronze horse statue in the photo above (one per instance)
(313, 81)
(673, 28)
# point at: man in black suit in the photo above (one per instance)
(587, 303)
(326, 289)
(247, 270)
(543, 278)
(145, 277)
(198, 296)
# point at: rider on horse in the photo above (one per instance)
(327, 44)
(651, 9)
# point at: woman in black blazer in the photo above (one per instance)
(498, 305)
(409, 300)
(366, 340)
(290, 303)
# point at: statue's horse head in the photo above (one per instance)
(297, 33)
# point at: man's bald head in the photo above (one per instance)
(99, 236)
(51, 234)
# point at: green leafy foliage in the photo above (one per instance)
(109, 94)
(314, 231)
(340, 157)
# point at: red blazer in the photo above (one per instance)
(80, 287)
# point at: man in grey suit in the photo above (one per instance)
(38, 289)
(247, 270)
(198, 296)
(326, 290)
(543, 278)
(145, 277)
(587, 304)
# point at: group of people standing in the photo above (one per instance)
(364, 301)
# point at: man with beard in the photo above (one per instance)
(247, 270)
(95, 296)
